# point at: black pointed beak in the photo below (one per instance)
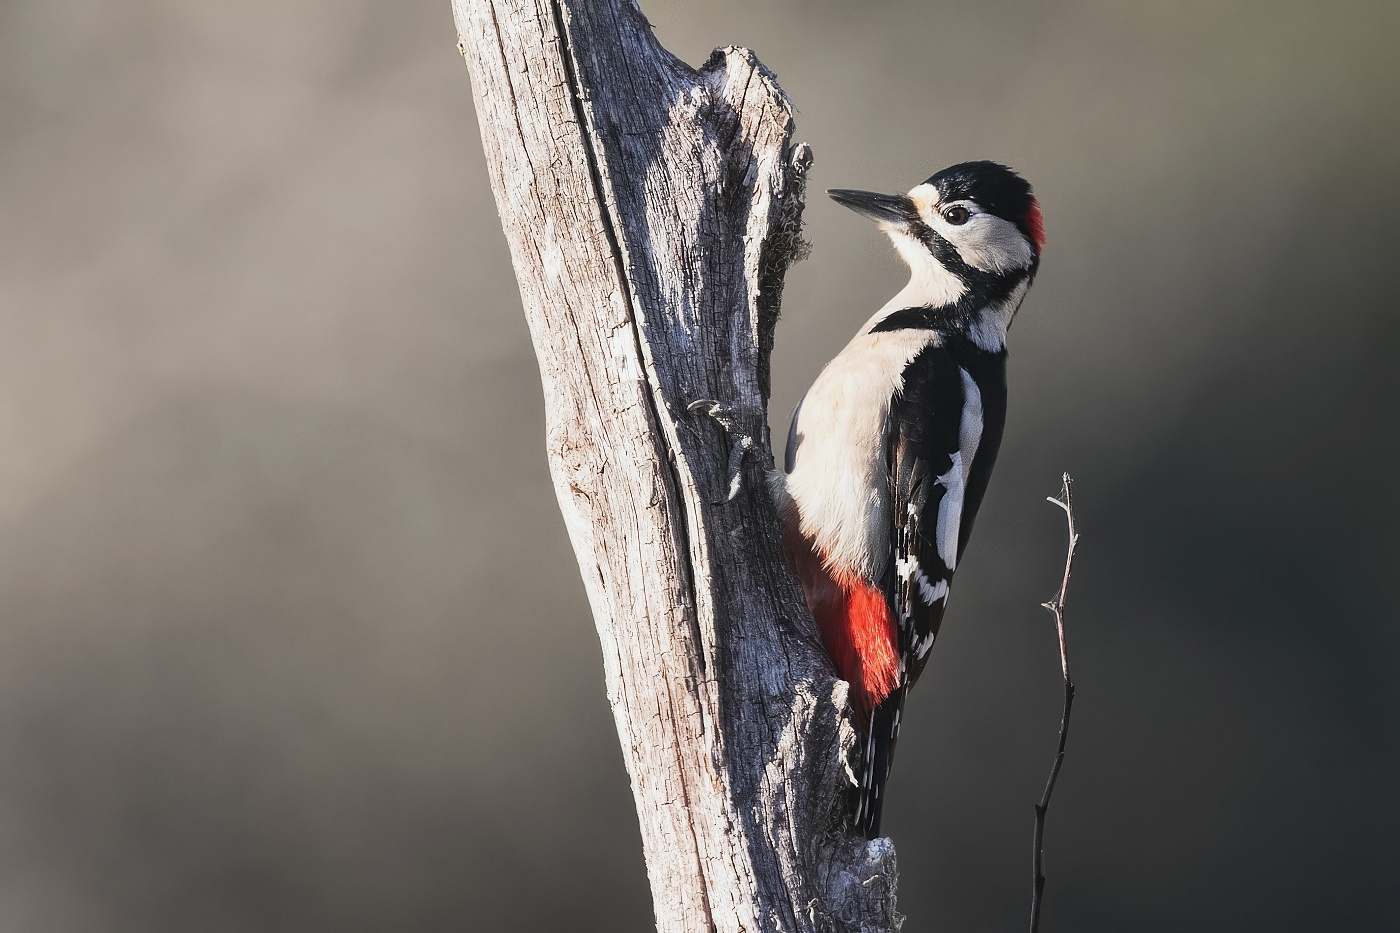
(893, 209)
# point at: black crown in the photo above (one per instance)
(991, 185)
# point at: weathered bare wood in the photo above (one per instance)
(651, 211)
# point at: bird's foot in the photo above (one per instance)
(740, 441)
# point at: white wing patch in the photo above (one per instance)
(950, 512)
(955, 480)
(970, 429)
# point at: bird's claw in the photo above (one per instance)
(740, 442)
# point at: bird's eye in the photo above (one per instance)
(957, 216)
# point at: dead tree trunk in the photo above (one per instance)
(652, 211)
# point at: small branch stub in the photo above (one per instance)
(1056, 606)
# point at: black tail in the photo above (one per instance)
(877, 759)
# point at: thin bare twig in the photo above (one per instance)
(1057, 609)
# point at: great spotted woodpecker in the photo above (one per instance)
(891, 448)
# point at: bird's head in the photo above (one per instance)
(971, 233)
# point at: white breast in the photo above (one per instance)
(839, 481)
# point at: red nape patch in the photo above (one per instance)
(859, 633)
(1035, 223)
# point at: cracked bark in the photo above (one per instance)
(652, 211)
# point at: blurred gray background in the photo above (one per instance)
(291, 637)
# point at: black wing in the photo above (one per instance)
(927, 498)
(951, 411)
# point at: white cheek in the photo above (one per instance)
(989, 243)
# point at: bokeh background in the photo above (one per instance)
(291, 637)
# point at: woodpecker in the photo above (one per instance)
(891, 448)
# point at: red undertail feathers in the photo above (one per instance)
(857, 628)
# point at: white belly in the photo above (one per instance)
(840, 481)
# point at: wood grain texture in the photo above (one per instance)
(651, 211)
